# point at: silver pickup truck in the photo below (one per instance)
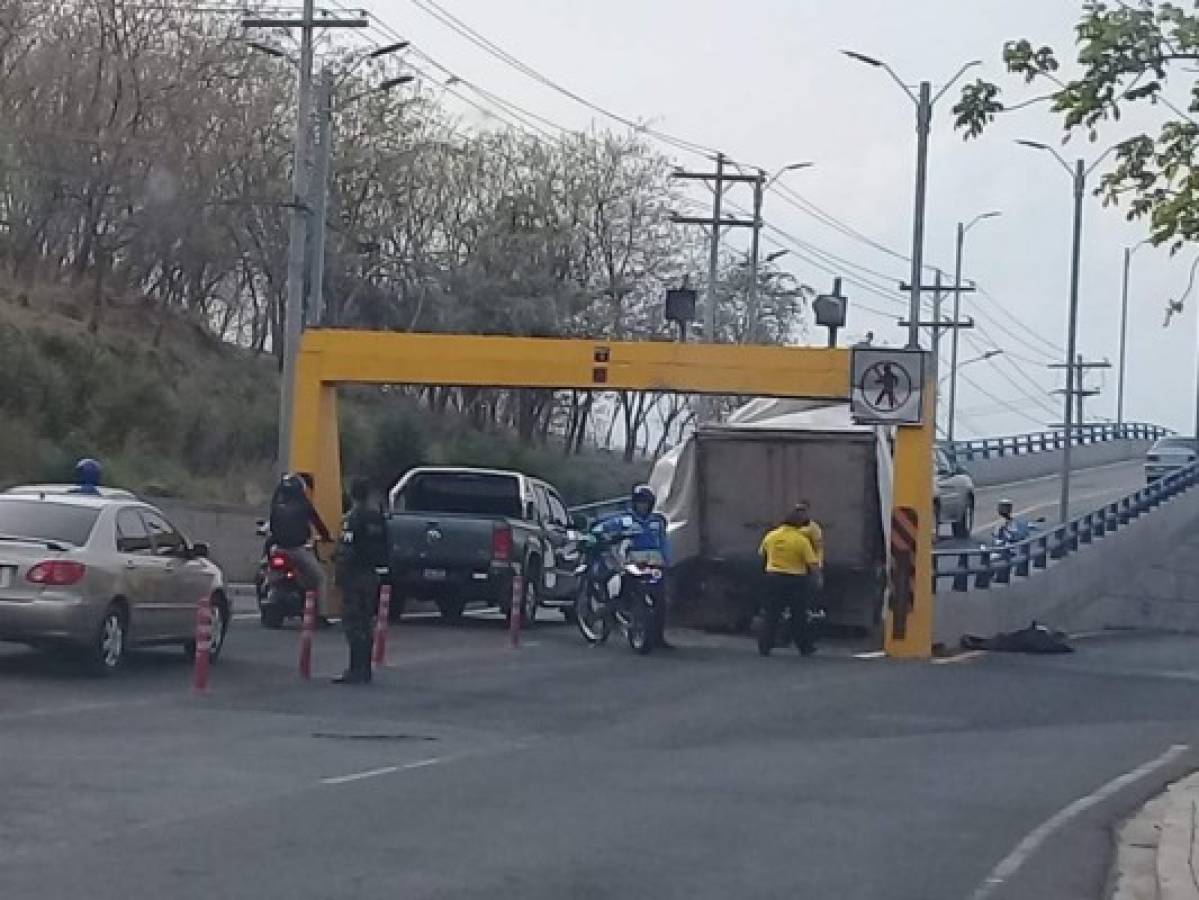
(458, 536)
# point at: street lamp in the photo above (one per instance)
(777, 254)
(924, 101)
(963, 230)
(983, 357)
(1129, 252)
(1078, 175)
(761, 185)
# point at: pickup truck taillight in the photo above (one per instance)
(501, 543)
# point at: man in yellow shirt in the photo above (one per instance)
(811, 530)
(791, 563)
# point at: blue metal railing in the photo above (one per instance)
(983, 567)
(1042, 441)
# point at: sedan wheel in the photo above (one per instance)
(108, 652)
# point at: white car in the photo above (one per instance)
(1169, 454)
(953, 495)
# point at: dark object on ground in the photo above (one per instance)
(1036, 638)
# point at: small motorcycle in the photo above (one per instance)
(617, 588)
(1014, 532)
(278, 587)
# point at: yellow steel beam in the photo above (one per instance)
(330, 358)
(462, 360)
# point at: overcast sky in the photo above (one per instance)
(764, 82)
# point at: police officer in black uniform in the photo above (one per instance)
(362, 548)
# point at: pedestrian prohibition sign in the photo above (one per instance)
(887, 386)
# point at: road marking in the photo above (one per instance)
(959, 658)
(873, 654)
(1011, 863)
(358, 776)
(240, 616)
(422, 763)
(386, 770)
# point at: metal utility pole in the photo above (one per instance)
(1075, 388)
(298, 230)
(719, 179)
(320, 196)
(963, 228)
(751, 314)
(937, 323)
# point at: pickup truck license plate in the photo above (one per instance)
(434, 574)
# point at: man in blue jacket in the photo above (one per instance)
(650, 545)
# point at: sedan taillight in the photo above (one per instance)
(56, 573)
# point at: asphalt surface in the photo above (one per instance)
(1089, 490)
(470, 769)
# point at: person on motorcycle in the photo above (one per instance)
(87, 477)
(649, 544)
(1011, 529)
(360, 552)
(790, 563)
(292, 520)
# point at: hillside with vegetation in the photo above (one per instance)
(145, 166)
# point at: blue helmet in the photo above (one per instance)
(643, 493)
(88, 472)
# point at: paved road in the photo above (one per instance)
(472, 770)
(1089, 489)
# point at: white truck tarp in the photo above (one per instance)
(674, 475)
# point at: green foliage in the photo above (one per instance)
(1126, 54)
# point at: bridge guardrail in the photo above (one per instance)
(1042, 441)
(980, 568)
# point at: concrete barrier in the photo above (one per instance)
(1008, 469)
(229, 532)
(1144, 576)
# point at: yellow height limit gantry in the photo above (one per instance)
(329, 358)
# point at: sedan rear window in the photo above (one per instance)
(468, 493)
(44, 520)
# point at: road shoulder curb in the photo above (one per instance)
(1158, 848)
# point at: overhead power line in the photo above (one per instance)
(449, 20)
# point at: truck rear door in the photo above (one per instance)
(444, 523)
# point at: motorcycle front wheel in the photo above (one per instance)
(591, 617)
(639, 630)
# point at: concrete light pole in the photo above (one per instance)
(924, 102)
(1078, 176)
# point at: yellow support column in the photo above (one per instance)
(316, 444)
(908, 625)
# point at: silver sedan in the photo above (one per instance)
(102, 574)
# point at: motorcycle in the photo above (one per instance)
(1015, 531)
(278, 586)
(617, 588)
